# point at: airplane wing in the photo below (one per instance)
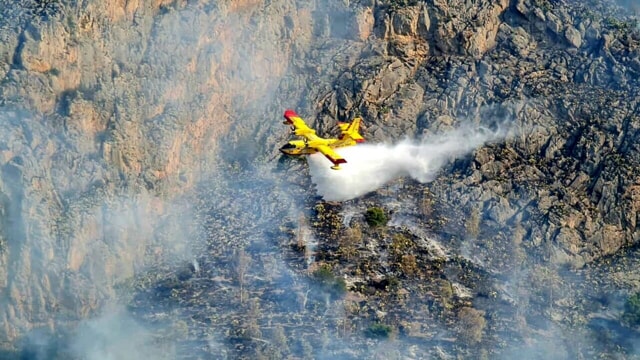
(300, 128)
(333, 156)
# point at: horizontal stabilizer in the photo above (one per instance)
(350, 130)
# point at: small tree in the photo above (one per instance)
(445, 290)
(631, 315)
(334, 285)
(375, 217)
(471, 324)
(379, 331)
(408, 264)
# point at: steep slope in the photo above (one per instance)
(564, 83)
(523, 221)
(109, 112)
(138, 144)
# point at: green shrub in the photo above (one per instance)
(393, 283)
(339, 286)
(334, 285)
(378, 331)
(323, 274)
(375, 216)
(631, 314)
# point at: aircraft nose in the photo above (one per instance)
(287, 147)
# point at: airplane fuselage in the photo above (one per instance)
(312, 143)
(302, 147)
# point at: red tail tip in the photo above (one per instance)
(290, 113)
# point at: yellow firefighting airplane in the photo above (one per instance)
(312, 143)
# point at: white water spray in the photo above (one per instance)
(370, 166)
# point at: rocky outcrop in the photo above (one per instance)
(562, 166)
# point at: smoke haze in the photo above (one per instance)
(370, 166)
(115, 335)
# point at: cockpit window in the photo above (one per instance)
(288, 146)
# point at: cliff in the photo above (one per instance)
(137, 135)
(109, 112)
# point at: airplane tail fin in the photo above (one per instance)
(350, 130)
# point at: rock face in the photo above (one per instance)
(108, 112)
(572, 163)
(112, 112)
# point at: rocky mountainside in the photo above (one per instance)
(109, 112)
(138, 151)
